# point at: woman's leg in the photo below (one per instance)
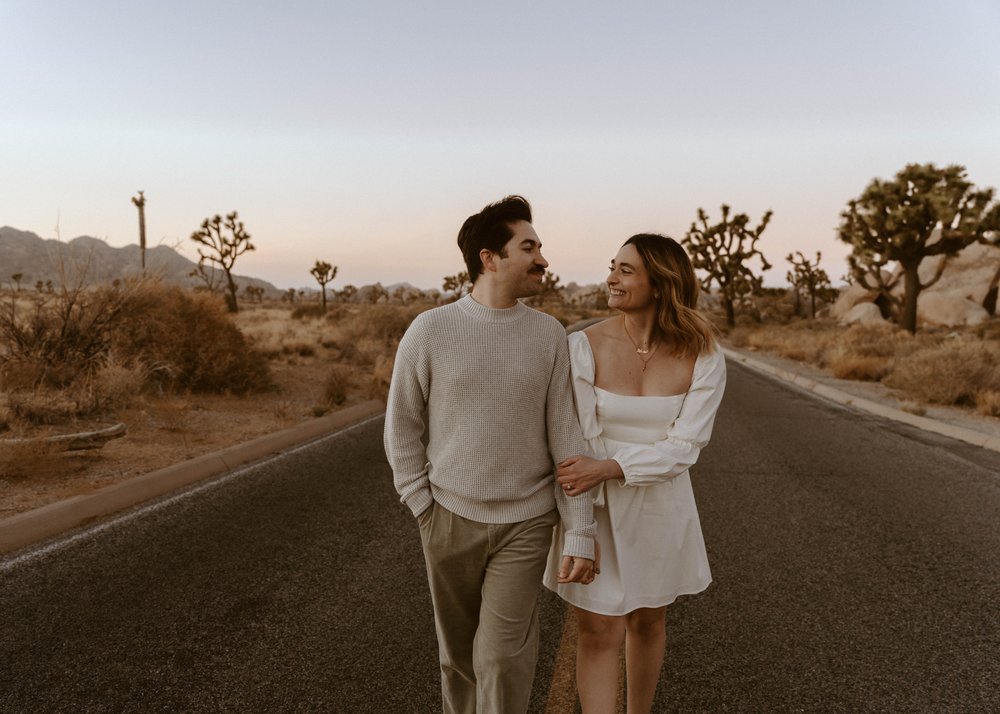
(645, 640)
(598, 644)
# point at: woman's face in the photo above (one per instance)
(628, 281)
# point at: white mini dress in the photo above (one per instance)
(652, 549)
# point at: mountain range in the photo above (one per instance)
(90, 260)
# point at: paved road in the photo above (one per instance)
(856, 564)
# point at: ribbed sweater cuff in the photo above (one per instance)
(578, 546)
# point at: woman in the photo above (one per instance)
(647, 384)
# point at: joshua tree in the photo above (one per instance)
(324, 273)
(809, 277)
(457, 285)
(924, 211)
(221, 243)
(722, 250)
(347, 293)
(17, 277)
(140, 203)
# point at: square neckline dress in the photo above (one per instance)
(652, 548)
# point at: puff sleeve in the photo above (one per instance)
(582, 368)
(687, 435)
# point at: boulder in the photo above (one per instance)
(853, 295)
(864, 313)
(949, 310)
(970, 274)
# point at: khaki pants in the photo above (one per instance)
(484, 581)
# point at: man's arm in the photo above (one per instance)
(405, 423)
(566, 439)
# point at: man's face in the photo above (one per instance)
(523, 268)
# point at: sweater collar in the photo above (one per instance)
(491, 314)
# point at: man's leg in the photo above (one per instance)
(506, 645)
(455, 550)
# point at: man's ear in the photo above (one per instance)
(489, 260)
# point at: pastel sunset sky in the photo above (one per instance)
(364, 133)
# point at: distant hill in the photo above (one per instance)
(95, 261)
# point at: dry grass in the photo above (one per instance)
(954, 372)
(960, 367)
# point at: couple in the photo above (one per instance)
(481, 407)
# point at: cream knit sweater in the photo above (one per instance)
(480, 408)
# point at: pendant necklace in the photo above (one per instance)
(639, 351)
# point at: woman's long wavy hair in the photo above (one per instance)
(686, 331)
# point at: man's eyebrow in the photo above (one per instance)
(528, 242)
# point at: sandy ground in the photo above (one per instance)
(162, 432)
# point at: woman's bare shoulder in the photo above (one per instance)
(599, 332)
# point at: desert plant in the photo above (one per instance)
(324, 273)
(723, 251)
(220, 243)
(189, 343)
(950, 373)
(140, 204)
(458, 285)
(924, 211)
(336, 385)
(808, 277)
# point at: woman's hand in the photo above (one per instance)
(579, 474)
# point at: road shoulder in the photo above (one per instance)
(33, 526)
(874, 398)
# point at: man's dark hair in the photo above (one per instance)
(490, 229)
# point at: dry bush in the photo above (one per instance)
(40, 407)
(845, 364)
(954, 372)
(112, 385)
(336, 385)
(988, 402)
(805, 342)
(381, 376)
(307, 312)
(190, 343)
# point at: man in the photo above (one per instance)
(480, 408)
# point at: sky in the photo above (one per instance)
(364, 133)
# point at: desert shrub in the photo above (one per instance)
(189, 342)
(989, 331)
(874, 340)
(303, 312)
(953, 372)
(112, 385)
(41, 406)
(988, 402)
(381, 376)
(66, 334)
(805, 341)
(385, 323)
(336, 385)
(302, 349)
(845, 364)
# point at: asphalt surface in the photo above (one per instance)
(856, 565)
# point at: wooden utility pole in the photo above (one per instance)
(140, 203)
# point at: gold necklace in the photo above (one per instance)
(651, 350)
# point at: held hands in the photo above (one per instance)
(579, 474)
(580, 570)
